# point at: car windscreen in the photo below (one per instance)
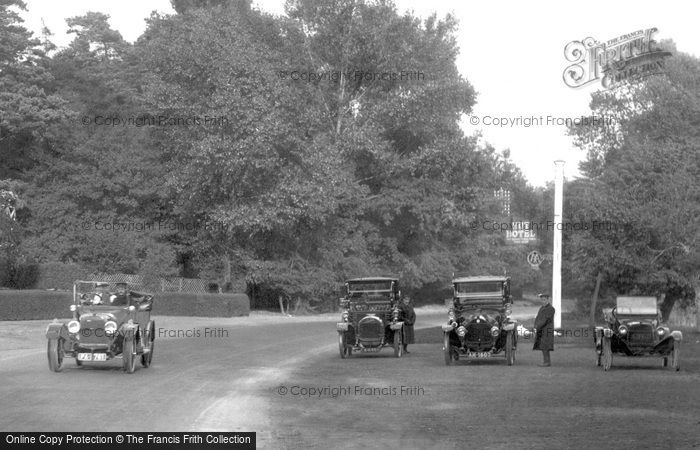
(370, 286)
(481, 287)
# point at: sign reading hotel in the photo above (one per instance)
(629, 57)
(521, 233)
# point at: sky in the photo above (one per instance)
(512, 52)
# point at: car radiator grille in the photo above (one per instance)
(641, 335)
(92, 332)
(370, 329)
(479, 332)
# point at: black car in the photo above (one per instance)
(370, 316)
(109, 321)
(634, 328)
(480, 323)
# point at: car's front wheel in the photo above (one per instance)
(607, 354)
(128, 356)
(398, 344)
(447, 349)
(342, 345)
(510, 348)
(55, 354)
(675, 356)
(149, 338)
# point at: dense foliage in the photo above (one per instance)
(287, 154)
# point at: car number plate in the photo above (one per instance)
(92, 356)
(479, 355)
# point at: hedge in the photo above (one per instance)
(47, 305)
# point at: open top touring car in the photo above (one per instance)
(634, 328)
(109, 321)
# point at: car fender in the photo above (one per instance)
(677, 335)
(448, 327)
(56, 329)
(129, 331)
(396, 326)
(509, 326)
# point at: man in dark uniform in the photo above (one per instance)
(409, 318)
(544, 329)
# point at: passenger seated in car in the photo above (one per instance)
(120, 296)
(101, 294)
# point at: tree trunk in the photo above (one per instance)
(667, 307)
(227, 269)
(594, 300)
(281, 300)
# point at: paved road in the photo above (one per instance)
(235, 380)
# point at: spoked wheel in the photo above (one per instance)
(55, 354)
(510, 348)
(607, 354)
(449, 360)
(675, 356)
(149, 338)
(342, 346)
(128, 357)
(398, 343)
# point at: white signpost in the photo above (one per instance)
(556, 257)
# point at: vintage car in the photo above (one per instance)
(480, 323)
(109, 321)
(634, 328)
(370, 316)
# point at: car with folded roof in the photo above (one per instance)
(110, 320)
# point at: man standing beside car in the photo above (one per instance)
(408, 315)
(544, 330)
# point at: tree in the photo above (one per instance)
(642, 189)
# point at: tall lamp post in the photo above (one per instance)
(556, 257)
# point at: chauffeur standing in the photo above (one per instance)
(544, 329)
(409, 318)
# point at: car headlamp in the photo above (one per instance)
(461, 331)
(623, 329)
(451, 314)
(73, 326)
(495, 331)
(661, 331)
(344, 316)
(110, 327)
(96, 299)
(132, 308)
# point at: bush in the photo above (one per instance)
(35, 305)
(58, 275)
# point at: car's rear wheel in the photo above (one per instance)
(55, 354)
(128, 357)
(342, 341)
(510, 348)
(675, 356)
(447, 349)
(398, 344)
(149, 338)
(607, 354)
